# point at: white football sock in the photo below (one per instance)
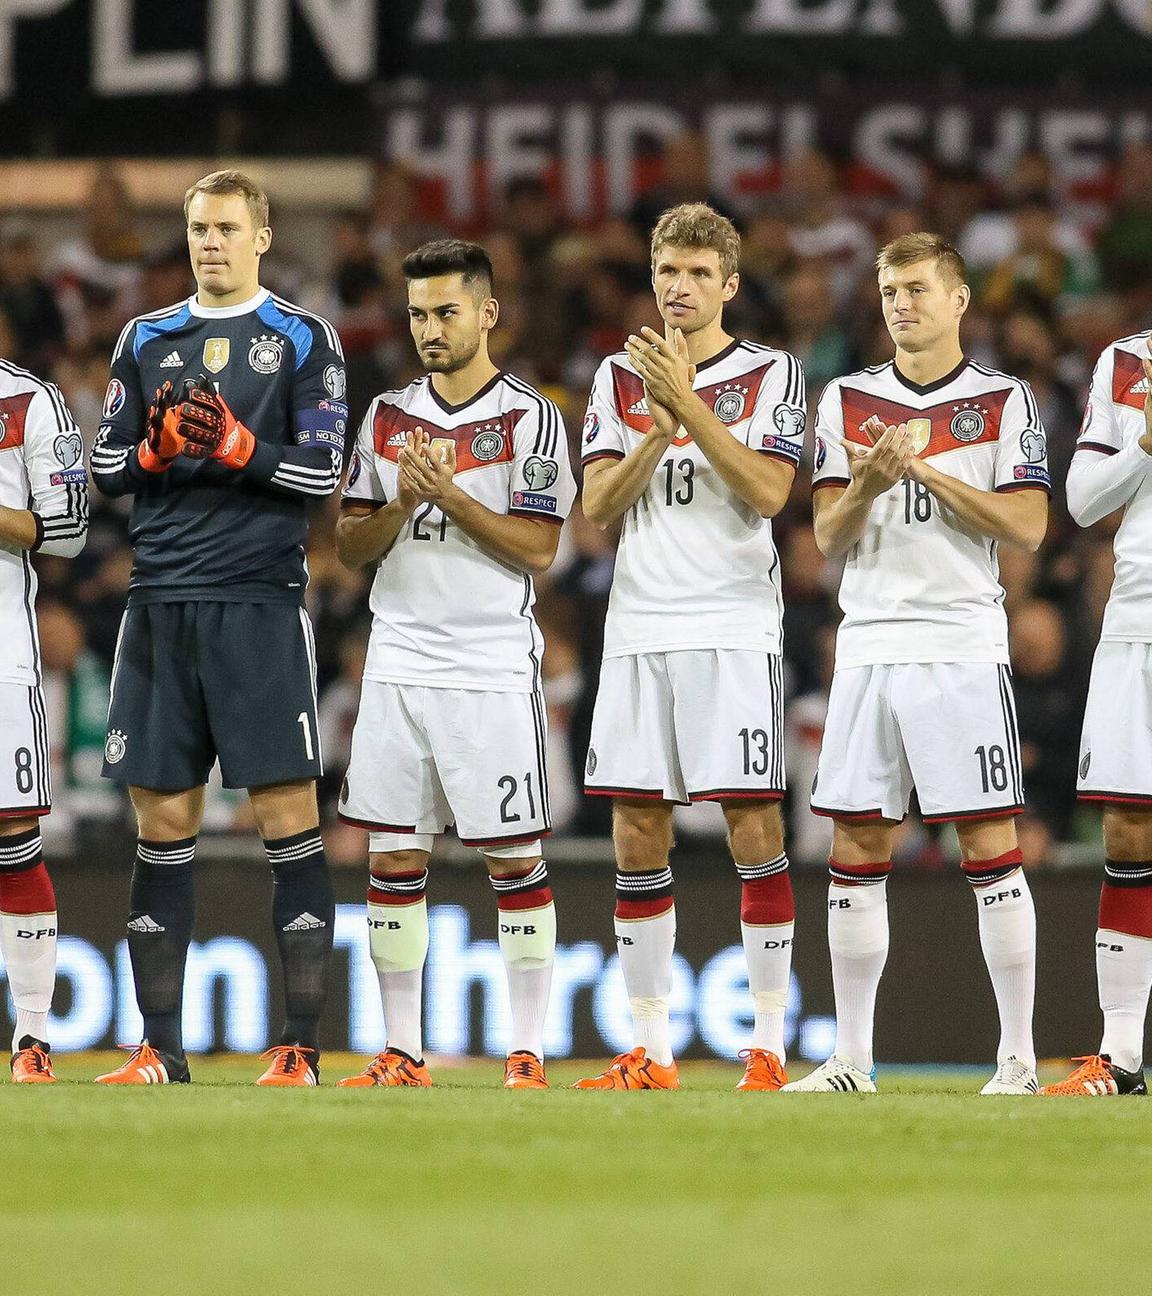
(769, 954)
(646, 946)
(858, 941)
(1124, 975)
(528, 943)
(398, 940)
(1008, 939)
(28, 944)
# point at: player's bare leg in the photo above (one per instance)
(992, 863)
(303, 915)
(1123, 960)
(162, 910)
(398, 943)
(28, 944)
(645, 939)
(527, 921)
(767, 923)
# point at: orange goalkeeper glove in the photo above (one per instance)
(209, 427)
(162, 440)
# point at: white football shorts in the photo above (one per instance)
(1116, 745)
(424, 758)
(947, 729)
(25, 755)
(692, 725)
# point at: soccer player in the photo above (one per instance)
(1112, 469)
(924, 465)
(458, 489)
(691, 441)
(224, 417)
(43, 509)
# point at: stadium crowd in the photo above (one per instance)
(1055, 277)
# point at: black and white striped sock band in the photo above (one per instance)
(292, 850)
(171, 853)
(1128, 873)
(410, 886)
(865, 875)
(532, 881)
(758, 872)
(654, 884)
(21, 851)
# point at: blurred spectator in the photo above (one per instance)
(105, 255)
(1037, 273)
(685, 176)
(992, 235)
(812, 331)
(1049, 707)
(28, 303)
(1125, 243)
(820, 228)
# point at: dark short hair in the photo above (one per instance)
(451, 256)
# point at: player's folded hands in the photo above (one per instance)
(209, 428)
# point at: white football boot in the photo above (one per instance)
(1013, 1077)
(835, 1076)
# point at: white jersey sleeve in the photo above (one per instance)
(57, 478)
(1022, 451)
(776, 427)
(362, 484)
(603, 435)
(541, 482)
(1109, 466)
(830, 464)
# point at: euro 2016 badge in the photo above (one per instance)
(215, 354)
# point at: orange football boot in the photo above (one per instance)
(290, 1066)
(762, 1070)
(389, 1069)
(1098, 1077)
(145, 1066)
(633, 1071)
(524, 1070)
(32, 1065)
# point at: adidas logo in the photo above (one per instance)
(1140, 388)
(306, 922)
(145, 924)
(172, 361)
(640, 407)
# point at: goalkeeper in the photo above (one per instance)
(224, 416)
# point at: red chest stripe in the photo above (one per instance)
(732, 401)
(13, 412)
(974, 420)
(478, 445)
(1129, 386)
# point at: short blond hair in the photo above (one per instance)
(232, 182)
(910, 248)
(696, 225)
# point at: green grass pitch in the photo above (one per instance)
(923, 1190)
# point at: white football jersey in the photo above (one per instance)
(445, 613)
(696, 566)
(42, 469)
(919, 585)
(1110, 467)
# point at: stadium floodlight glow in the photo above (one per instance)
(238, 966)
(89, 980)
